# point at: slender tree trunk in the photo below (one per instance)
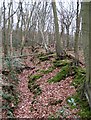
(77, 35)
(11, 31)
(58, 40)
(67, 29)
(8, 36)
(5, 44)
(22, 36)
(62, 33)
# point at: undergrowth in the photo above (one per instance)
(9, 93)
(78, 101)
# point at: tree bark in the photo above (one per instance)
(86, 37)
(5, 44)
(59, 50)
(11, 31)
(67, 29)
(77, 35)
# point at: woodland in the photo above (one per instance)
(45, 59)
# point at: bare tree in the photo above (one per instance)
(67, 16)
(42, 16)
(26, 25)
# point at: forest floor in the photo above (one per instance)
(43, 106)
(41, 99)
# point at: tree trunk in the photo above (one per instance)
(77, 35)
(67, 29)
(86, 37)
(59, 50)
(11, 31)
(5, 44)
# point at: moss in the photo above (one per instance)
(80, 70)
(81, 103)
(46, 57)
(71, 102)
(37, 90)
(50, 69)
(33, 87)
(64, 72)
(53, 117)
(59, 63)
(40, 55)
(34, 77)
(79, 77)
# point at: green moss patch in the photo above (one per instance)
(59, 63)
(43, 58)
(37, 90)
(79, 77)
(81, 104)
(78, 101)
(33, 87)
(64, 72)
(46, 57)
(40, 55)
(34, 77)
(50, 69)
